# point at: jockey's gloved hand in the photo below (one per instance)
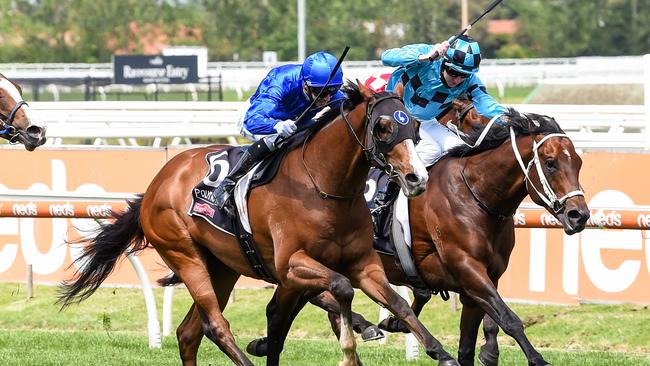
(436, 52)
(285, 128)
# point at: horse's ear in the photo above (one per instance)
(365, 91)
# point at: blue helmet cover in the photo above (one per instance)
(317, 69)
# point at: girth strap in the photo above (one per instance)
(250, 251)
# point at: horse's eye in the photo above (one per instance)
(550, 164)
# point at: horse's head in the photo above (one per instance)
(463, 114)
(391, 135)
(17, 124)
(554, 178)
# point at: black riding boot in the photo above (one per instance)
(250, 157)
(386, 195)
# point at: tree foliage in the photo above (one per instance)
(92, 31)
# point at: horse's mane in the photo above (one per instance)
(353, 98)
(522, 123)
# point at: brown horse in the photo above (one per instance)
(462, 227)
(17, 124)
(310, 240)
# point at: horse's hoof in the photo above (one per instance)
(393, 325)
(372, 333)
(486, 358)
(451, 362)
(258, 347)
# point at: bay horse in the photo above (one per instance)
(17, 122)
(462, 228)
(311, 241)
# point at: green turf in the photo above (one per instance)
(110, 329)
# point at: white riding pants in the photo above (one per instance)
(436, 139)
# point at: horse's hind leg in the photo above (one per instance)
(489, 354)
(190, 331)
(327, 302)
(188, 263)
(280, 313)
(372, 280)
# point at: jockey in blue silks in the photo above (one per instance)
(282, 96)
(431, 85)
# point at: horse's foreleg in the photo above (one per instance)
(373, 282)
(470, 319)
(394, 325)
(190, 266)
(478, 286)
(489, 354)
(305, 272)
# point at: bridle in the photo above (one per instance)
(460, 115)
(375, 148)
(548, 196)
(6, 123)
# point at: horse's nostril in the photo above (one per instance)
(412, 178)
(577, 216)
(34, 131)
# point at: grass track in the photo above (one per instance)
(110, 329)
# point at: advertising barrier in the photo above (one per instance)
(547, 266)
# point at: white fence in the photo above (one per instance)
(246, 75)
(104, 123)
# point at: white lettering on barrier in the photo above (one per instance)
(8, 253)
(537, 269)
(600, 218)
(63, 210)
(99, 210)
(593, 241)
(571, 264)
(24, 209)
(519, 218)
(643, 220)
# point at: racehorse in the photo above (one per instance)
(17, 124)
(462, 228)
(311, 225)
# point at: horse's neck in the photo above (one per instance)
(335, 153)
(504, 188)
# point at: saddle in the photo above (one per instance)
(237, 224)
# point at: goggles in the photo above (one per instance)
(327, 91)
(455, 74)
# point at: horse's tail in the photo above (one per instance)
(102, 252)
(169, 280)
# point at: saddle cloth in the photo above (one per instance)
(383, 219)
(219, 164)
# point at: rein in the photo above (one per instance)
(376, 159)
(7, 122)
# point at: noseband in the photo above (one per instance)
(548, 196)
(6, 123)
(377, 148)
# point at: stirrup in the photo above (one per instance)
(223, 193)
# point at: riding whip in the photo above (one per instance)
(469, 26)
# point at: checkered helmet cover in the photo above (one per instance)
(464, 55)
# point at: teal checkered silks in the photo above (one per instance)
(464, 55)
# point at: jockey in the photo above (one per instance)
(431, 85)
(282, 96)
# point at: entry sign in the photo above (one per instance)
(140, 69)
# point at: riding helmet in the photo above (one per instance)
(317, 69)
(464, 55)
